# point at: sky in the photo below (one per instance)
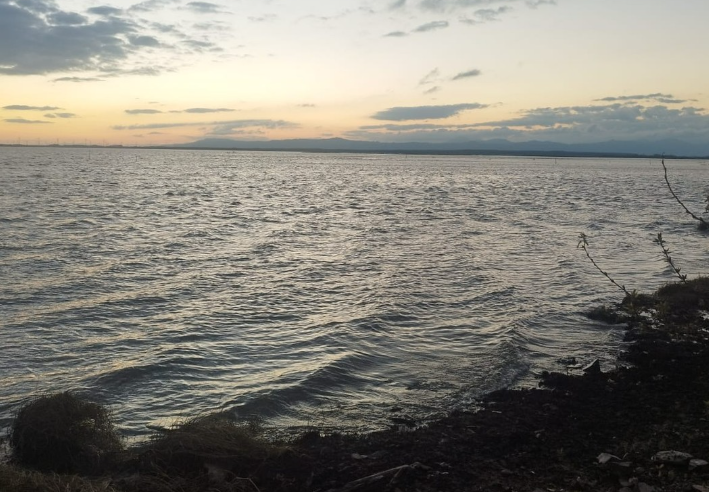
(155, 72)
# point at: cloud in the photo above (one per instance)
(398, 4)
(37, 38)
(409, 127)
(142, 111)
(204, 8)
(431, 26)
(425, 112)
(77, 79)
(432, 90)
(188, 110)
(307, 105)
(615, 121)
(663, 98)
(482, 16)
(396, 34)
(151, 5)
(105, 11)
(148, 41)
(431, 77)
(66, 18)
(466, 75)
(22, 107)
(264, 18)
(201, 46)
(211, 26)
(608, 118)
(30, 44)
(59, 115)
(237, 126)
(23, 121)
(451, 5)
(271, 124)
(533, 4)
(208, 110)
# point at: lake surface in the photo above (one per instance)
(318, 289)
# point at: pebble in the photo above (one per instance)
(593, 368)
(606, 457)
(672, 457)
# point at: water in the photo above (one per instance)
(317, 289)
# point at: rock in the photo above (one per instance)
(672, 457)
(604, 458)
(696, 463)
(643, 487)
(378, 454)
(593, 368)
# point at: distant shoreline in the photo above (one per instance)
(457, 152)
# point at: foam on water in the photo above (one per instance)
(316, 288)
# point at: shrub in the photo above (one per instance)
(686, 297)
(214, 439)
(65, 434)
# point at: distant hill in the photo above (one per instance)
(499, 146)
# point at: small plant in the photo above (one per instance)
(668, 259)
(64, 433)
(216, 439)
(583, 244)
(703, 224)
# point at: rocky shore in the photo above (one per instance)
(642, 426)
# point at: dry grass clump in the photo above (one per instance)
(687, 297)
(65, 434)
(13, 479)
(606, 314)
(211, 442)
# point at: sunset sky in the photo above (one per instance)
(171, 71)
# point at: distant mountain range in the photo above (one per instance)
(668, 147)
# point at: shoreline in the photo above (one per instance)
(481, 152)
(598, 431)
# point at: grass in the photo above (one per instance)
(214, 440)
(58, 440)
(65, 434)
(686, 297)
(15, 479)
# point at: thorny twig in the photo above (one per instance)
(668, 259)
(702, 223)
(583, 244)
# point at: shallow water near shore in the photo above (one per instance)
(317, 289)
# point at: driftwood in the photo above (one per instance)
(368, 480)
